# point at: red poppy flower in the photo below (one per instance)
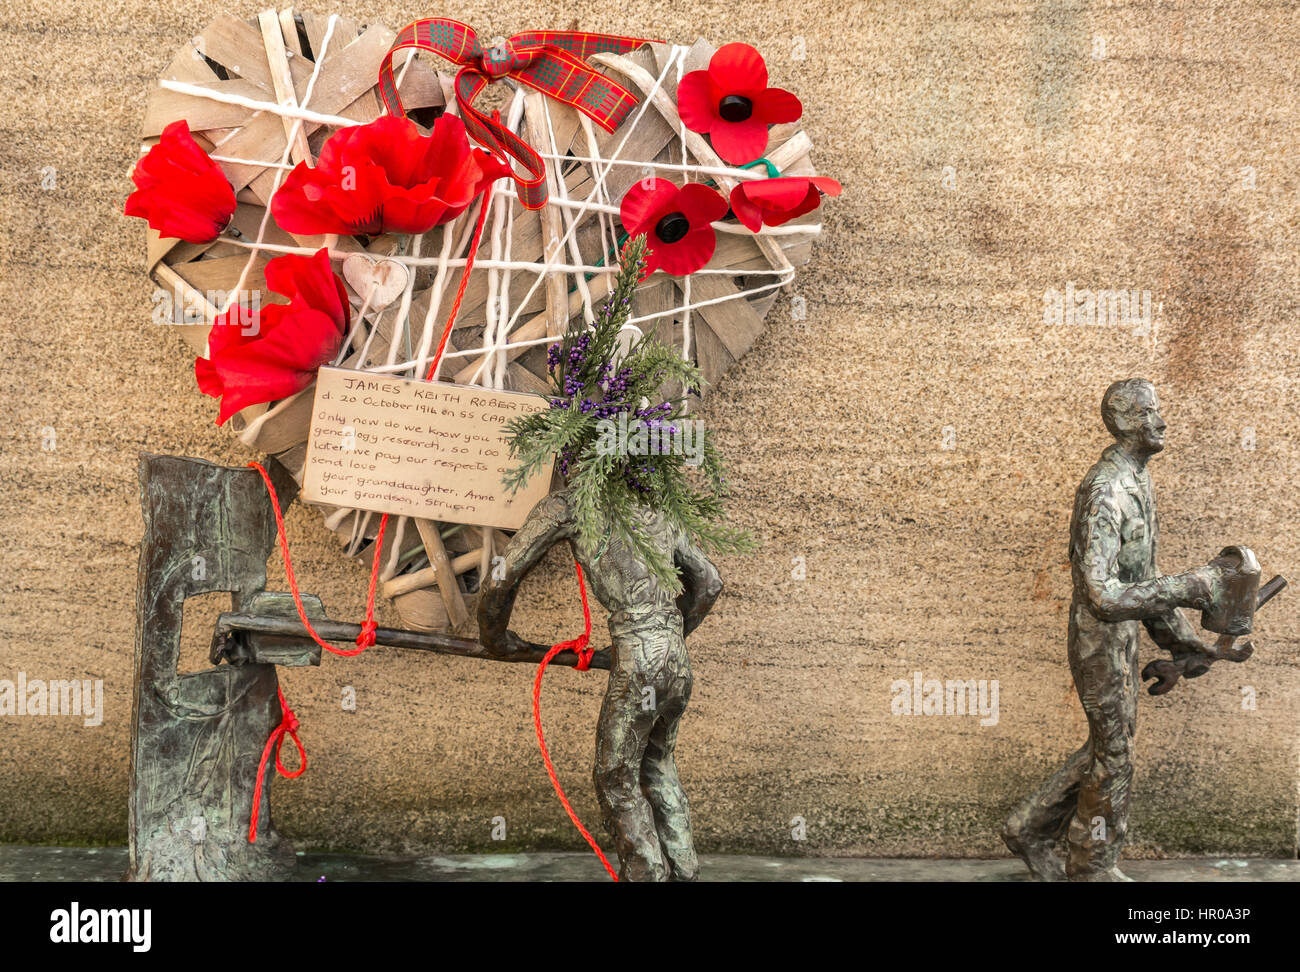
(676, 222)
(277, 354)
(732, 104)
(385, 177)
(777, 201)
(180, 191)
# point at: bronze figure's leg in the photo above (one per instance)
(1105, 673)
(1034, 828)
(621, 737)
(663, 788)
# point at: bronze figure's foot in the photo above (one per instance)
(1038, 854)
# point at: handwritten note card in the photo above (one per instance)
(416, 448)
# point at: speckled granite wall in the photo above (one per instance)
(916, 440)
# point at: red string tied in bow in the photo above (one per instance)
(580, 644)
(549, 61)
(288, 727)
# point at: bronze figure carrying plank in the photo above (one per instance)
(644, 806)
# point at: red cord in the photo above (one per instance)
(289, 724)
(464, 280)
(579, 645)
(288, 727)
(369, 626)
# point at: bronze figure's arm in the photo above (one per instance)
(1170, 631)
(548, 524)
(701, 584)
(1112, 600)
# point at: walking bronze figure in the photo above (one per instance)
(1116, 587)
(641, 797)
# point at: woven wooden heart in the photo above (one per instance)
(264, 95)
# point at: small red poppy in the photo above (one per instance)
(385, 177)
(676, 222)
(732, 104)
(180, 191)
(278, 353)
(777, 201)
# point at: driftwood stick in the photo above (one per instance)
(282, 80)
(428, 576)
(452, 600)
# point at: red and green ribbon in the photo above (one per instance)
(550, 61)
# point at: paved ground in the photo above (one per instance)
(107, 864)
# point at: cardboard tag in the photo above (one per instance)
(431, 450)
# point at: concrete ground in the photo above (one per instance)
(108, 864)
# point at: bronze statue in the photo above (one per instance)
(644, 806)
(196, 737)
(1116, 586)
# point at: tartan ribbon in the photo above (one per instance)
(550, 61)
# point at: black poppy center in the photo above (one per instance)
(672, 227)
(735, 108)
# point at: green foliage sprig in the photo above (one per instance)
(597, 392)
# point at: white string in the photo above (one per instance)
(670, 166)
(356, 324)
(492, 310)
(469, 218)
(562, 198)
(551, 157)
(489, 263)
(607, 236)
(533, 342)
(500, 336)
(403, 312)
(286, 111)
(235, 160)
(435, 295)
(498, 308)
(394, 550)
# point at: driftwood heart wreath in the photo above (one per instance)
(593, 138)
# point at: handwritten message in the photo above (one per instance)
(431, 450)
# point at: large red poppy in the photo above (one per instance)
(278, 353)
(676, 222)
(180, 191)
(385, 177)
(732, 104)
(776, 201)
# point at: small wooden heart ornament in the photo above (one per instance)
(377, 282)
